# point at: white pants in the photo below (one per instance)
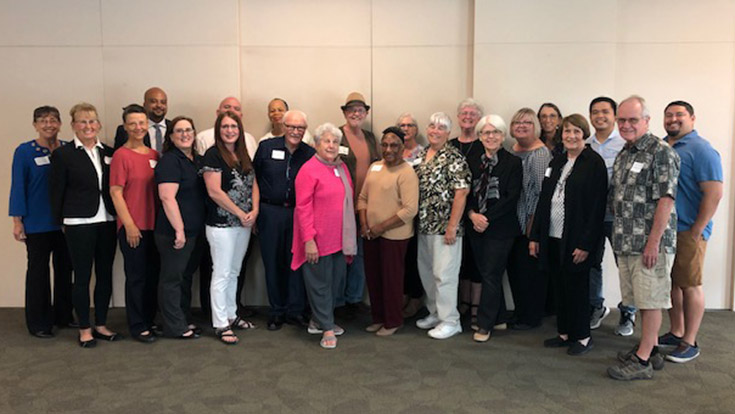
(228, 246)
(439, 271)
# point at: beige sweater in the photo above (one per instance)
(388, 192)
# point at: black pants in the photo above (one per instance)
(469, 270)
(286, 292)
(412, 286)
(491, 257)
(572, 295)
(41, 315)
(527, 283)
(142, 265)
(92, 244)
(174, 285)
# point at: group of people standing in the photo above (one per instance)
(341, 209)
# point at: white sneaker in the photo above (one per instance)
(428, 322)
(445, 330)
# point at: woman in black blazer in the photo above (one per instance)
(567, 229)
(79, 187)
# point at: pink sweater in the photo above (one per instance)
(318, 213)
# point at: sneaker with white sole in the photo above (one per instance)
(683, 353)
(428, 322)
(626, 324)
(445, 330)
(669, 341)
(598, 314)
(656, 358)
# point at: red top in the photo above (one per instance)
(320, 198)
(134, 173)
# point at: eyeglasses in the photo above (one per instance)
(495, 132)
(525, 123)
(231, 126)
(86, 123)
(355, 110)
(182, 131)
(406, 125)
(298, 128)
(469, 113)
(631, 121)
(48, 121)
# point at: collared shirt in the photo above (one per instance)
(205, 141)
(94, 155)
(307, 139)
(699, 162)
(175, 167)
(29, 189)
(608, 150)
(643, 173)
(534, 165)
(446, 172)
(152, 132)
(276, 168)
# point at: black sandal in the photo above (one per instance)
(222, 334)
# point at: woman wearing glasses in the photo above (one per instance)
(567, 230)
(234, 201)
(491, 223)
(179, 226)
(527, 282)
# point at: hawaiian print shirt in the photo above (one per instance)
(445, 172)
(643, 173)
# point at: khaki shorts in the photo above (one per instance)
(687, 270)
(646, 288)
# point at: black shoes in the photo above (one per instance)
(557, 342)
(523, 326)
(146, 338)
(43, 334)
(578, 349)
(88, 344)
(275, 322)
(298, 321)
(110, 338)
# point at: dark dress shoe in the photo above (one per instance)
(556, 342)
(297, 320)
(146, 338)
(275, 323)
(88, 344)
(157, 330)
(43, 334)
(111, 338)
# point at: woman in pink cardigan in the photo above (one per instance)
(324, 230)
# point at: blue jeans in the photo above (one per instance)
(355, 283)
(596, 298)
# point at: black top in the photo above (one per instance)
(235, 183)
(501, 212)
(175, 167)
(469, 149)
(73, 183)
(121, 136)
(585, 194)
(276, 169)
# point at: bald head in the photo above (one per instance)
(231, 104)
(155, 103)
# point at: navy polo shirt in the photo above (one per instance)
(276, 169)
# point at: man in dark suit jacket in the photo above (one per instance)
(155, 103)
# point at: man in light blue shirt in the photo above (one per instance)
(699, 192)
(607, 142)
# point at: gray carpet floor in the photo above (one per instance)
(287, 372)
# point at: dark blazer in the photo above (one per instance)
(350, 160)
(501, 212)
(121, 136)
(73, 187)
(585, 195)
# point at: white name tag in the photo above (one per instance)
(278, 154)
(547, 174)
(42, 161)
(343, 151)
(376, 167)
(416, 162)
(336, 173)
(153, 163)
(637, 167)
(108, 160)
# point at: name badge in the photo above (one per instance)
(42, 161)
(153, 163)
(343, 151)
(376, 167)
(547, 174)
(416, 162)
(336, 173)
(278, 154)
(108, 160)
(637, 167)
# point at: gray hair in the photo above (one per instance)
(471, 103)
(406, 115)
(494, 120)
(326, 128)
(645, 113)
(441, 119)
(295, 112)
